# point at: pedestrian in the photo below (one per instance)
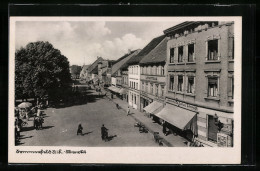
(164, 128)
(104, 133)
(111, 96)
(79, 131)
(128, 111)
(117, 106)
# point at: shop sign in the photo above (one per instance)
(224, 140)
(151, 78)
(185, 105)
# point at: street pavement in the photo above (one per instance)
(169, 140)
(60, 126)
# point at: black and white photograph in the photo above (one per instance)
(128, 89)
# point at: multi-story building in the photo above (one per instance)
(84, 72)
(117, 71)
(200, 81)
(153, 79)
(134, 72)
(92, 71)
(104, 71)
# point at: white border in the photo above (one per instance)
(138, 155)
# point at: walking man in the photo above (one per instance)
(104, 132)
(79, 131)
(128, 111)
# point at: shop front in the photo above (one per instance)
(179, 120)
(153, 108)
(215, 128)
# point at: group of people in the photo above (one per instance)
(104, 132)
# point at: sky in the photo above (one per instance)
(82, 41)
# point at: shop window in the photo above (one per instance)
(171, 82)
(180, 82)
(213, 49)
(212, 129)
(190, 88)
(172, 55)
(180, 54)
(191, 53)
(212, 86)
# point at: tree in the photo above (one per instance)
(75, 71)
(40, 70)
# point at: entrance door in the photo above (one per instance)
(212, 129)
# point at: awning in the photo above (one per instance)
(151, 108)
(114, 89)
(122, 91)
(179, 117)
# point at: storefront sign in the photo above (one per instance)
(185, 105)
(151, 78)
(224, 140)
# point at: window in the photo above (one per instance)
(232, 87)
(212, 86)
(171, 84)
(156, 90)
(212, 129)
(191, 53)
(213, 49)
(146, 87)
(162, 91)
(180, 82)
(180, 54)
(142, 86)
(190, 88)
(151, 90)
(136, 86)
(172, 55)
(158, 70)
(162, 70)
(135, 99)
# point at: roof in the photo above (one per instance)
(150, 46)
(85, 67)
(95, 64)
(185, 24)
(157, 55)
(121, 61)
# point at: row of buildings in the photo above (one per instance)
(184, 77)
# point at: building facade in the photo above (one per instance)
(134, 86)
(152, 78)
(134, 72)
(200, 78)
